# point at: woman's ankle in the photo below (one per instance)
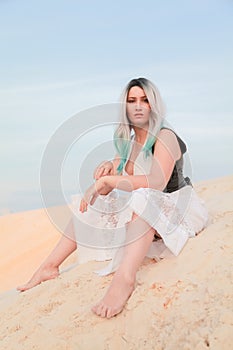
(49, 266)
(128, 276)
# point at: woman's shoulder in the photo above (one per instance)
(167, 132)
(167, 136)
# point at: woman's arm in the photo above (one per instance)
(107, 168)
(166, 153)
(100, 187)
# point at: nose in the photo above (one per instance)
(138, 105)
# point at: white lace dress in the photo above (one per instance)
(101, 231)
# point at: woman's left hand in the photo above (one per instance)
(100, 187)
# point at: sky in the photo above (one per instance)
(59, 58)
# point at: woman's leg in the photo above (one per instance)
(49, 269)
(124, 278)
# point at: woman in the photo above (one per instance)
(163, 210)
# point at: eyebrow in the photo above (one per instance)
(136, 97)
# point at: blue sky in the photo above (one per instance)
(61, 57)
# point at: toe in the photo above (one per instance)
(109, 313)
(98, 309)
(104, 311)
(21, 288)
(95, 308)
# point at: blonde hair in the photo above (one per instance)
(122, 135)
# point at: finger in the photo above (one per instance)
(83, 206)
(99, 173)
(93, 199)
(106, 171)
(95, 172)
(80, 205)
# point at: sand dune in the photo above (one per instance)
(185, 302)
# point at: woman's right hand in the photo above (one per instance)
(105, 168)
(100, 187)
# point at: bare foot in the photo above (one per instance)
(116, 297)
(41, 275)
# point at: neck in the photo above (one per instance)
(140, 135)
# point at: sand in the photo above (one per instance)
(184, 302)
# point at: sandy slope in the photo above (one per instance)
(26, 239)
(185, 302)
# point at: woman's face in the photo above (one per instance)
(137, 107)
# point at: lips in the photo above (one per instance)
(138, 114)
